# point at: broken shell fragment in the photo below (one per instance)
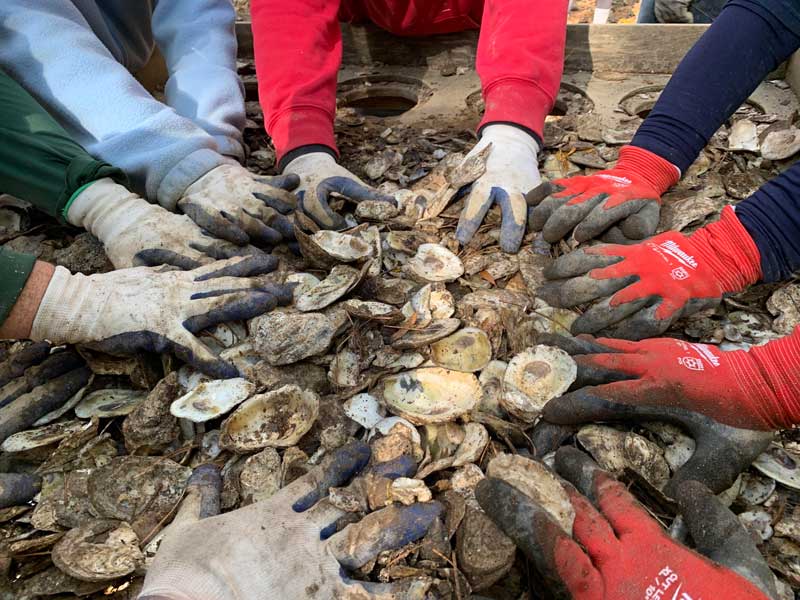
(780, 465)
(365, 410)
(42, 436)
(466, 350)
(743, 136)
(755, 489)
(342, 247)
(98, 551)
(341, 280)
(211, 399)
(276, 419)
(537, 482)
(431, 395)
(433, 262)
(534, 377)
(372, 311)
(437, 330)
(376, 210)
(109, 403)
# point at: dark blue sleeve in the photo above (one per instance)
(748, 40)
(772, 217)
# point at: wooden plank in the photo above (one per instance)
(599, 48)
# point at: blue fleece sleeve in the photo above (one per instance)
(49, 47)
(198, 41)
(772, 218)
(748, 40)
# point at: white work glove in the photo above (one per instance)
(320, 176)
(155, 310)
(512, 170)
(232, 204)
(136, 233)
(282, 548)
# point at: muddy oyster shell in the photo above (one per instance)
(537, 482)
(211, 399)
(98, 551)
(466, 350)
(535, 376)
(341, 246)
(373, 311)
(109, 403)
(276, 419)
(42, 436)
(433, 262)
(341, 280)
(437, 330)
(283, 338)
(431, 395)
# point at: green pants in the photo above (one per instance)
(41, 164)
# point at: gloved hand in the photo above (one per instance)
(34, 382)
(646, 287)
(283, 547)
(673, 11)
(512, 170)
(151, 309)
(727, 401)
(320, 176)
(232, 204)
(624, 554)
(136, 233)
(629, 193)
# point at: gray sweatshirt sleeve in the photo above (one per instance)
(198, 41)
(49, 48)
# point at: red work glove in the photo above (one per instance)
(644, 288)
(629, 193)
(624, 554)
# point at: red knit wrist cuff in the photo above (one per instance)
(779, 365)
(657, 171)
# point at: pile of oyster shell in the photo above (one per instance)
(397, 336)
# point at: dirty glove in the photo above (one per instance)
(512, 171)
(136, 233)
(617, 551)
(151, 309)
(232, 204)
(727, 401)
(629, 193)
(34, 382)
(283, 547)
(673, 11)
(320, 176)
(642, 289)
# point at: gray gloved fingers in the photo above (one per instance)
(202, 496)
(534, 532)
(579, 262)
(244, 266)
(718, 534)
(30, 407)
(153, 257)
(17, 489)
(337, 469)
(600, 218)
(16, 364)
(604, 314)
(590, 374)
(514, 219)
(582, 344)
(235, 306)
(387, 529)
(319, 211)
(284, 293)
(566, 217)
(476, 206)
(219, 223)
(539, 215)
(588, 404)
(404, 466)
(257, 230)
(581, 289)
(548, 437)
(287, 182)
(351, 189)
(220, 250)
(538, 194)
(643, 223)
(51, 367)
(640, 325)
(614, 235)
(188, 348)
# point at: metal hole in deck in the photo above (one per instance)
(380, 96)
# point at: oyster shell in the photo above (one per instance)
(785, 305)
(780, 465)
(433, 262)
(535, 376)
(211, 399)
(780, 145)
(437, 330)
(260, 477)
(537, 482)
(339, 282)
(466, 350)
(42, 436)
(365, 410)
(276, 419)
(342, 247)
(109, 403)
(743, 136)
(372, 311)
(491, 380)
(283, 338)
(431, 395)
(101, 550)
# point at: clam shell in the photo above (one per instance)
(433, 262)
(341, 280)
(109, 403)
(276, 419)
(437, 330)
(42, 436)
(468, 350)
(342, 247)
(535, 376)
(431, 395)
(211, 399)
(364, 409)
(537, 482)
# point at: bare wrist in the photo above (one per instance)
(20, 320)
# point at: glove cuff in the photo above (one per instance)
(778, 365)
(658, 172)
(310, 162)
(70, 306)
(728, 247)
(504, 133)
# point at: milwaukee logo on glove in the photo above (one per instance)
(671, 248)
